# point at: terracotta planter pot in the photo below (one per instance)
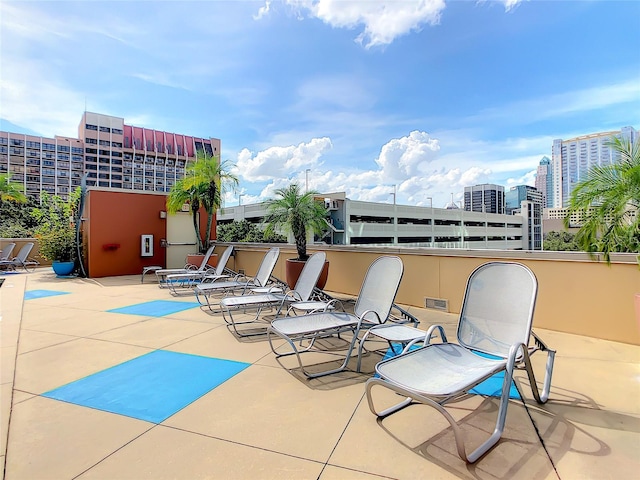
(197, 258)
(294, 267)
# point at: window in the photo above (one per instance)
(91, 141)
(76, 149)
(64, 148)
(116, 144)
(149, 145)
(105, 143)
(50, 146)
(105, 129)
(16, 142)
(33, 144)
(159, 147)
(91, 127)
(179, 149)
(116, 131)
(127, 142)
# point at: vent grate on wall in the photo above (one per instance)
(437, 304)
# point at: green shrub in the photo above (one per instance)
(58, 245)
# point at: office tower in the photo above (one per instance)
(111, 153)
(518, 194)
(544, 181)
(488, 198)
(571, 160)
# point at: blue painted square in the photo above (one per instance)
(151, 387)
(31, 294)
(156, 308)
(491, 387)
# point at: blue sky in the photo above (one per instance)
(427, 96)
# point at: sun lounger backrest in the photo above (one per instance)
(497, 310)
(23, 253)
(266, 267)
(7, 251)
(309, 276)
(205, 260)
(379, 288)
(222, 261)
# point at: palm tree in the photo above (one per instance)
(296, 212)
(609, 199)
(178, 196)
(205, 182)
(11, 191)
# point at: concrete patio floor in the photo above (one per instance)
(269, 422)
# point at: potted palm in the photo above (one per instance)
(203, 186)
(297, 213)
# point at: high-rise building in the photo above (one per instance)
(544, 181)
(571, 160)
(526, 201)
(518, 194)
(110, 152)
(487, 198)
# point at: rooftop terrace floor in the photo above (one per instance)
(267, 421)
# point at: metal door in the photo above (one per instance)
(181, 239)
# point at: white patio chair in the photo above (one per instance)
(164, 272)
(494, 332)
(278, 299)
(180, 281)
(240, 283)
(373, 306)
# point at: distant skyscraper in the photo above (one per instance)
(111, 154)
(544, 182)
(488, 198)
(518, 194)
(571, 160)
(526, 201)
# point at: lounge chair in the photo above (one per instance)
(258, 301)
(372, 307)
(241, 283)
(494, 332)
(21, 260)
(163, 273)
(192, 278)
(7, 251)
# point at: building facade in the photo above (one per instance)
(544, 182)
(520, 193)
(571, 160)
(352, 222)
(111, 153)
(487, 198)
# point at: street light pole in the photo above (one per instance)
(240, 199)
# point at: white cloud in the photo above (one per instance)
(414, 165)
(383, 21)
(281, 162)
(402, 158)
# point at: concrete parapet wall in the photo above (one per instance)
(576, 294)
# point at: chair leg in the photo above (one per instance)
(412, 396)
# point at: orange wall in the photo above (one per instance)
(121, 218)
(115, 217)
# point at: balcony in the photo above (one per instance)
(268, 422)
